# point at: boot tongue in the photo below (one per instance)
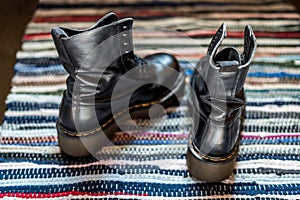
(227, 61)
(228, 58)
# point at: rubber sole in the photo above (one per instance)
(209, 171)
(76, 146)
(213, 171)
(81, 146)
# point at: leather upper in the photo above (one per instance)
(97, 59)
(219, 99)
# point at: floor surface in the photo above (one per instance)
(14, 15)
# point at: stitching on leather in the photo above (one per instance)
(233, 153)
(72, 134)
(221, 159)
(107, 122)
(246, 46)
(215, 40)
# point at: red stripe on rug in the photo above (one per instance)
(195, 33)
(37, 36)
(161, 13)
(279, 136)
(201, 33)
(148, 13)
(27, 140)
(63, 194)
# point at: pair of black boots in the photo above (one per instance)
(108, 83)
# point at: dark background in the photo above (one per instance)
(14, 15)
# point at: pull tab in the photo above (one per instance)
(249, 45)
(217, 39)
(228, 66)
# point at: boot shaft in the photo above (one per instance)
(95, 57)
(97, 49)
(219, 100)
(224, 72)
(61, 33)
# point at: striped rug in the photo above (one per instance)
(150, 162)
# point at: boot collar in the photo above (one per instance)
(225, 72)
(112, 41)
(249, 46)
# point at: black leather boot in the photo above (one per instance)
(218, 103)
(97, 60)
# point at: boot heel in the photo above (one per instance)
(80, 146)
(67, 145)
(209, 171)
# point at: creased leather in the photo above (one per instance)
(218, 82)
(96, 59)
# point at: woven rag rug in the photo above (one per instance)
(150, 162)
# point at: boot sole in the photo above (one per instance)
(209, 171)
(212, 169)
(75, 144)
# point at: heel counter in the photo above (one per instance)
(65, 117)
